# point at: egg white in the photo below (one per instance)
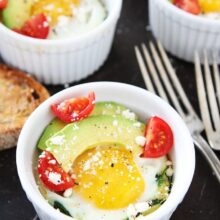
(88, 15)
(81, 209)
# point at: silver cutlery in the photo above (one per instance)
(208, 90)
(160, 78)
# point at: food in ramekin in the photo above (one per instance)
(52, 19)
(205, 8)
(98, 161)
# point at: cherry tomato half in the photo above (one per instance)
(159, 138)
(36, 27)
(52, 175)
(3, 4)
(191, 6)
(74, 109)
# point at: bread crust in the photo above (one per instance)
(20, 94)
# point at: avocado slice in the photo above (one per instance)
(16, 13)
(75, 138)
(101, 108)
(113, 108)
(54, 126)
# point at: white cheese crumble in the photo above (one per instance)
(140, 140)
(52, 162)
(137, 124)
(75, 127)
(142, 206)
(128, 114)
(75, 114)
(169, 171)
(67, 193)
(115, 123)
(169, 163)
(54, 178)
(57, 140)
(129, 147)
(131, 211)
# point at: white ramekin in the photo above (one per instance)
(139, 100)
(182, 33)
(65, 60)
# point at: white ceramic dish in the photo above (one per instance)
(65, 60)
(182, 33)
(142, 102)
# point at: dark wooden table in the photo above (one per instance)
(202, 202)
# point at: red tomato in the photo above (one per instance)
(74, 109)
(191, 6)
(52, 175)
(3, 4)
(36, 27)
(159, 138)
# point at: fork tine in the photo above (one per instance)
(217, 80)
(174, 78)
(154, 73)
(211, 93)
(166, 80)
(143, 69)
(201, 94)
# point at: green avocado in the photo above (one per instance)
(51, 129)
(101, 108)
(112, 108)
(16, 13)
(101, 130)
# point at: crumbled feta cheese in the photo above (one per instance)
(115, 123)
(169, 163)
(129, 147)
(87, 165)
(52, 162)
(67, 193)
(73, 176)
(74, 138)
(169, 171)
(57, 140)
(49, 7)
(128, 114)
(54, 178)
(75, 127)
(140, 140)
(131, 211)
(45, 24)
(137, 124)
(142, 206)
(75, 114)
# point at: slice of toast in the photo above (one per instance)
(19, 96)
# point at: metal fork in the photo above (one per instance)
(210, 118)
(169, 88)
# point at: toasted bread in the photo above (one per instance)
(19, 96)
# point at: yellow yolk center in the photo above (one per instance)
(54, 8)
(210, 5)
(108, 177)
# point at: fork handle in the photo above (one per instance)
(208, 153)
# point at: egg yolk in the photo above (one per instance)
(108, 177)
(54, 8)
(210, 5)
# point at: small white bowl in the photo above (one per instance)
(139, 100)
(64, 60)
(182, 33)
